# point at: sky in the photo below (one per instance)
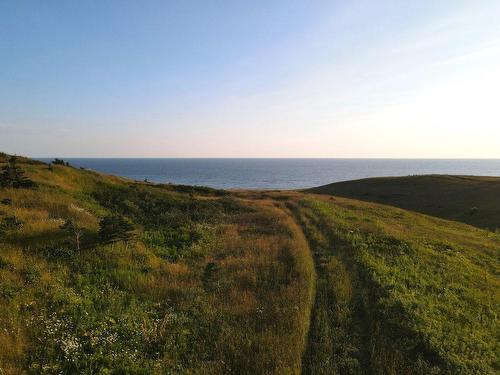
(228, 78)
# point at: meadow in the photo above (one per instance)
(209, 283)
(399, 292)
(100, 274)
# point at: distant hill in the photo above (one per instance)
(469, 199)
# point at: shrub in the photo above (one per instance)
(115, 228)
(13, 177)
(6, 201)
(56, 252)
(11, 222)
(3, 263)
(57, 161)
(31, 273)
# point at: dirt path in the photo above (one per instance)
(337, 339)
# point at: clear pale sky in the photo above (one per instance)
(250, 78)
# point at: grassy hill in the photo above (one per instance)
(100, 274)
(209, 284)
(399, 292)
(469, 199)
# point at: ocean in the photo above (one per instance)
(278, 173)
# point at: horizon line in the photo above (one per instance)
(263, 157)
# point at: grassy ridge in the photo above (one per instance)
(469, 199)
(212, 283)
(426, 289)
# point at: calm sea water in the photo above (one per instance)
(279, 173)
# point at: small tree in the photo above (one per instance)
(57, 161)
(71, 228)
(116, 228)
(12, 176)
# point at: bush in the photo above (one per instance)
(31, 273)
(13, 177)
(57, 161)
(4, 263)
(115, 228)
(56, 252)
(6, 201)
(11, 222)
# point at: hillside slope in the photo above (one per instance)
(399, 292)
(469, 199)
(206, 283)
(100, 274)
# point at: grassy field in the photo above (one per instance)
(400, 292)
(248, 282)
(210, 284)
(469, 199)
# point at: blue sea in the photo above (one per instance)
(278, 173)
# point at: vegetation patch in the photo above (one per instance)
(101, 275)
(427, 309)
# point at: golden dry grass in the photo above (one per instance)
(251, 316)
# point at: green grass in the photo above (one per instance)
(246, 282)
(211, 284)
(425, 292)
(469, 199)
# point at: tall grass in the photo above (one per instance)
(212, 283)
(238, 283)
